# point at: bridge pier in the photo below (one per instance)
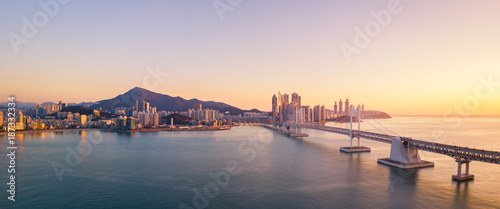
(404, 157)
(463, 176)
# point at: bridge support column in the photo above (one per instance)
(359, 148)
(463, 176)
(403, 157)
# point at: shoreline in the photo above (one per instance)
(222, 128)
(48, 130)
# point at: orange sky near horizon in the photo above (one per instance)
(429, 59)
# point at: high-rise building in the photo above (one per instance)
(1, 120)
(82, 120)
(275, 108)
(136, 105)
(317, 113)
(347, 107)
(60, 106)
(296, 99)
(154, 119)
(335, 108)
(280, 107)
(284, 102)
(323, 113)
(340, 107)
(20, 124)
(290, 114)
(130, 123)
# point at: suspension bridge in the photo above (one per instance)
(404, 150)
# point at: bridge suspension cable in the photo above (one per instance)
(375, 127)
(387, 128)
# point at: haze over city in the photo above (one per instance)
(417, 64)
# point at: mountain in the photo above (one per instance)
(161, 102)
(19, 105)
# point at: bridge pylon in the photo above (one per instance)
(358, 148)
(462, 176)
(402, 156)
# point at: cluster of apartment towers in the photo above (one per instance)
(284, 110)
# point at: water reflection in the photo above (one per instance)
(402, 186)
(127, 135)
(461, 193)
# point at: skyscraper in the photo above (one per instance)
(284, 103)
(347, 107)
(340, 107)
(280, 107)
(323, 113)
(296, 99)
(1, 120)
(143, 107)
(290, 114)
(317, 113)
(274, 108)
(335, 108)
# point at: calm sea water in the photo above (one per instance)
(166, 169)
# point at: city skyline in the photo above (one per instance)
(338, 105)
(429, 65)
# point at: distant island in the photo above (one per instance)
(368, 114)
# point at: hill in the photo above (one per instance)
(161, 102)
(84, 111)
(178, 119)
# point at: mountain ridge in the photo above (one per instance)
(162, 102)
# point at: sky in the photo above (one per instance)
(428, 58)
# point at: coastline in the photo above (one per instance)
(48, 130)
(218, 128)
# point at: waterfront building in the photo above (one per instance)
(130, 123)
(347, 107)
(340, 107)
(335, 108)
(296, 99)
(274, 108)
(323, 113)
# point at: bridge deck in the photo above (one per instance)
(463, 153)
